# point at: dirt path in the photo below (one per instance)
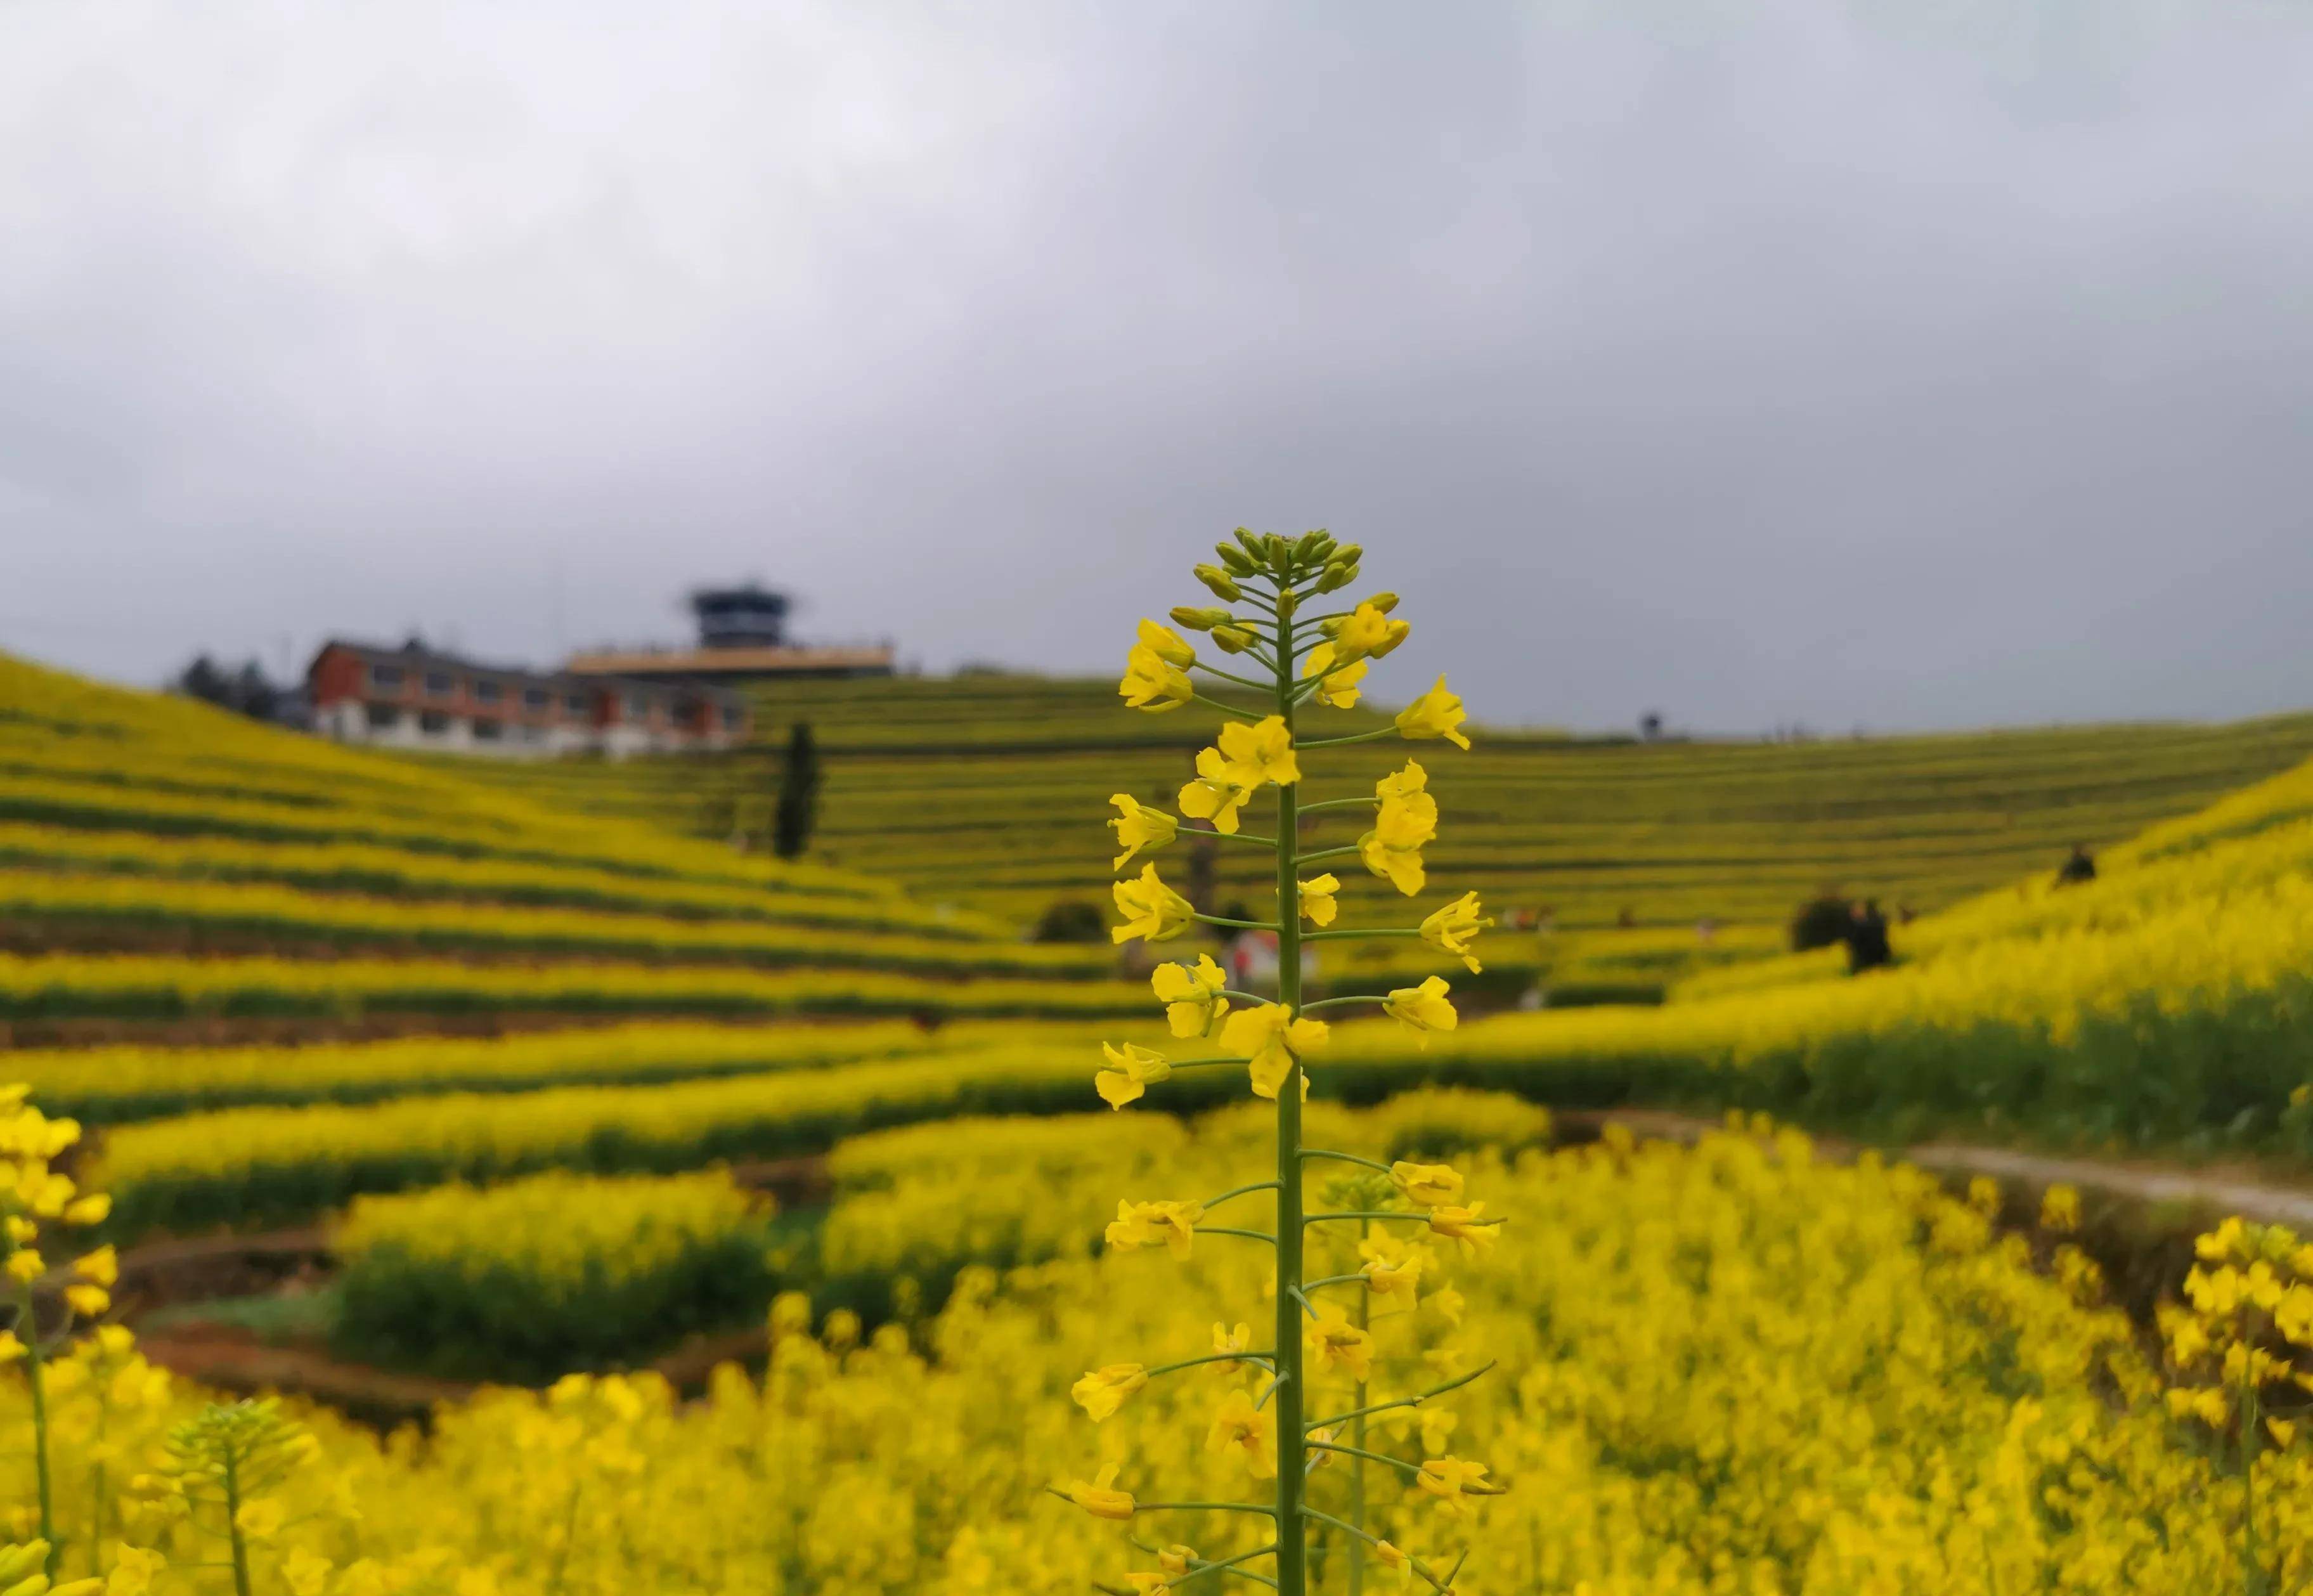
(2217, 1190)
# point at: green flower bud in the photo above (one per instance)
(1331, 627)
(1233, 640)
(1191, 619)
(1348, 554)
(1335, 576)
(1384, 602)
(1223, 585)
(1252, 542)
(1285, 603)
(1239, 563)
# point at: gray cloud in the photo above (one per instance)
(1877, 363)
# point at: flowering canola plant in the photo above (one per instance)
(1322, 1332)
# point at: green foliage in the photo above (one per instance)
(798, 801)
(1072, 920)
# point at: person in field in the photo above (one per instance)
(2080, 867)
(1866, 939)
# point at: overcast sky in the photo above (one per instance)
(1928, 363)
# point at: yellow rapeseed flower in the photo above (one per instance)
(1217, 792)
(1103, 1390)
(1452, 1481)
(1407, 819)
(1430, 1184)
(1150, 909)
(101, 1266)
(1436, 713)
(1272, 1037)
(1451, 928)
(1192, 995)
(1317, 906)
(1367, 631)
(1422, 1008)
(1167, 644)
(1100, 1498)
(1151, 683)
(1334, 1341)
(1242, 1428)
(1341, 683)
(1259, 752)
(1126, 1072)
(1139, 826)
(1146, 1224)
(1466, 1225)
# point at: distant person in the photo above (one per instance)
(2080, 866)
(1866, 939)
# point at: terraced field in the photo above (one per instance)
(164, 867)
(959, 788)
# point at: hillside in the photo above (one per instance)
(987, 791)
(164, 867)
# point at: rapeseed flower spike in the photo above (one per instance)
(1150, 909)
(1139, 826)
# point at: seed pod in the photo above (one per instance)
(1191, 619)
(1223, 585)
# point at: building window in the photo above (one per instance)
(487, 731)
(536, 698)
(575, 702)
(440, 683)
(383, 718)
(488, 692)
(385, 678)
(638, 705)
(433, 723)
(731, 716)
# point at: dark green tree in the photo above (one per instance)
(798, 805)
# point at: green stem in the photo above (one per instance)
(1238, 1191)
(1262, 1358)
(1201, 1568)
(1357, 1439)
(1292, 1463)
(2252, 1574)
(232, 1523)
(1347, 803)
(1243, 925)
(1329, 1446)
(35, 1372)
(1214, 670)
(1361, 997)
(1414, 1401)
(1343, 1158)
(1380, 930)
(1229, 1230)
(1214, 703)
(1344, 851)
(1363, 736)
(1266, 1512)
